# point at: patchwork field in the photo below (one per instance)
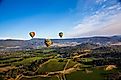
(54, 64)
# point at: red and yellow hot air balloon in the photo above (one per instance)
(48, 42)
(32, 34)
(61, 34)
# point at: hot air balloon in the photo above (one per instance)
(48, 42)
(32, 34)
(61, 34)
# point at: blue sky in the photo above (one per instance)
(76, 18)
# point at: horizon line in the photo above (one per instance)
(60, 38)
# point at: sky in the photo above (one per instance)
(75, 18)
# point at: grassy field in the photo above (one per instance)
(86, 59)
(71, 64)
(97, 73)
(53, 65)
(26, 61)
(10, 60)
(48, 50)
(82, 75)
(39, 78)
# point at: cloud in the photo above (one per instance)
(105, 21)
(100, 1)
(110, 27)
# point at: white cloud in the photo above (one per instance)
(110, 27)
(100, 1)
(103, 22)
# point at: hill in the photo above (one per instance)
(36, 43)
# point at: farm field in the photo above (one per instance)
(52, 64)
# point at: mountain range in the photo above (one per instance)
(39, 42)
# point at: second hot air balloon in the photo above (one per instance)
(32, 34)
(61, 34)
